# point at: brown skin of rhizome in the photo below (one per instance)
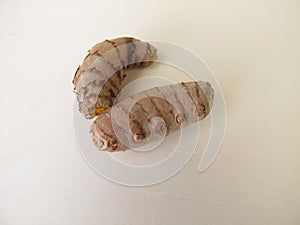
(97, 82)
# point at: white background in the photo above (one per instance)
(252, 46)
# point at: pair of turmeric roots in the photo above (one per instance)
(143, 117)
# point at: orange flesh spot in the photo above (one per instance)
(99, 110)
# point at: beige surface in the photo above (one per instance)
(252, 46)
